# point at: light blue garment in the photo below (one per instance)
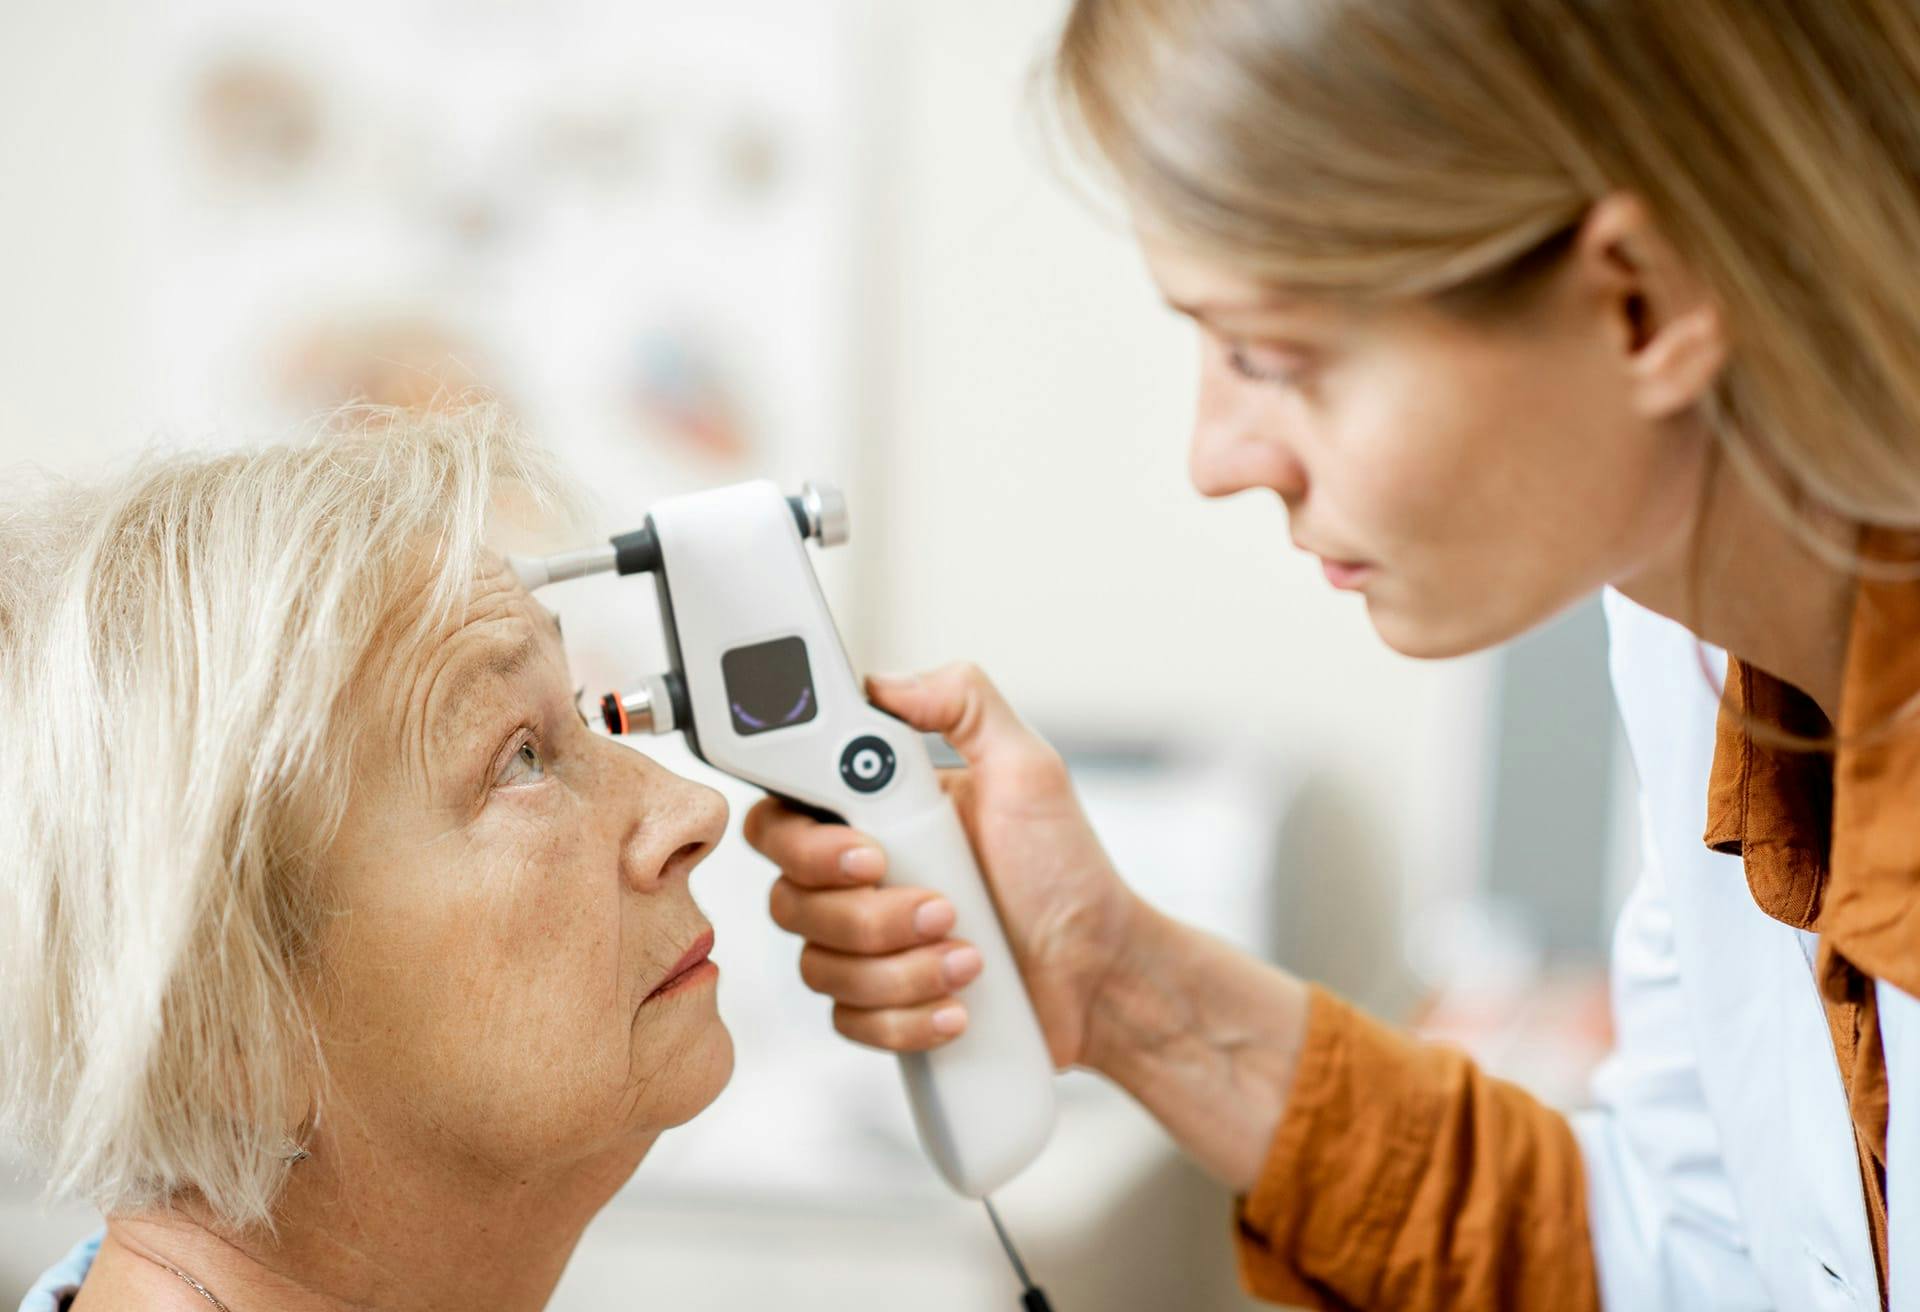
(52, 1291)
(1722, 1169)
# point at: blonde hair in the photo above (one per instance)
(1418, 148)
(179, 649)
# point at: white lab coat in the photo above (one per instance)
(1720, 1158)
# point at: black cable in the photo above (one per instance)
(1032, 1297)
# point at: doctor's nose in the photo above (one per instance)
(1230, 450)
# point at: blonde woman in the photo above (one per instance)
(343, 966)
(1509, 300)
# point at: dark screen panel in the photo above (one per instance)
(769, 685)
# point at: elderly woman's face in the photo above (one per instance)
(516, 892)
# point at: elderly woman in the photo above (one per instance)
(344, 966)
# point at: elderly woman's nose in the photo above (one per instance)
(666, 840)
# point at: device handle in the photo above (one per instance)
(984, 1102)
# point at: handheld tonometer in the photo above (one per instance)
(761, 686)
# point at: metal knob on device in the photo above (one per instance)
(658, 705)
(632, 713)
(821, 510)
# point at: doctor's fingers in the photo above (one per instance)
(810, 853)
(902, 1029)
(866, 921)
(904, 979)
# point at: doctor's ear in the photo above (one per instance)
(1663, 319)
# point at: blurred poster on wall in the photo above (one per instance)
(634, 224)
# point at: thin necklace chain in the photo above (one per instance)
(198, 1288)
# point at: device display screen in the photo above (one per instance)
(769, 685)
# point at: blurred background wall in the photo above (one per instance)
(829, 238)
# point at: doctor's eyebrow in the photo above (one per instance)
(1271, 303)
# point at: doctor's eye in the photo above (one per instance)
(1257, 366)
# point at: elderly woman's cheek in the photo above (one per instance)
(594, 1049)
(539, 914)
(552, 917)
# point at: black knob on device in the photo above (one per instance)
(637, 552)
(867, 764)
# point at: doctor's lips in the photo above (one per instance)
(1346, 574)
(692, 968)
(1343, 574)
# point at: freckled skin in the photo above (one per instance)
(505, 891)
(486, 981)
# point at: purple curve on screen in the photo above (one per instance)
(799, 709)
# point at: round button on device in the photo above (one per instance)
(867, 764)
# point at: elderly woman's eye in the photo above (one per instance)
(525, 766)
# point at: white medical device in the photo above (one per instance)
(762, 688)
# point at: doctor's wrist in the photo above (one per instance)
(1125, 1012)
(1202, 1035)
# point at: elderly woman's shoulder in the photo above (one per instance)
(54, 1291)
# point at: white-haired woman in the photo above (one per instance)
(1507, 300)
(344, 966)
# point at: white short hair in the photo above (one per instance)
(178, 651)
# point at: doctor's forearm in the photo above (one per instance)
(1373, 1170)
(1205, 1037)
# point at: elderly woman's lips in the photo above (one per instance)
(691, 967)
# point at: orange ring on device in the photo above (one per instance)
(613, 713)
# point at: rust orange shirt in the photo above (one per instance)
(1402, 1176)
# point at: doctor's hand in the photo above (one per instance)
(884, 955)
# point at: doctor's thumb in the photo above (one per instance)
(957, 702)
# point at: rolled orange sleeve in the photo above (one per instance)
(1402, 1176)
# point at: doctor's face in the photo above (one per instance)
(1468, 477)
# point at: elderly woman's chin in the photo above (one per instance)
(698, 1059)
(558, 1104)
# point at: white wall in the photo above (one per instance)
(67, 257)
